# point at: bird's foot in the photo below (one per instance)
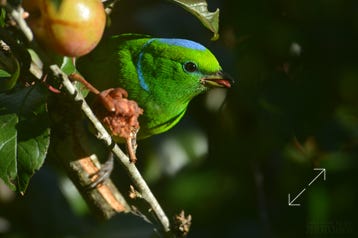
(79, 78)
(103, 174)
(117, 113)
(104, 97)
(121, 115)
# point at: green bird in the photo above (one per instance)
(162, 75)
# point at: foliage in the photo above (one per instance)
(24, 161)
(27, 103)
(200, 10)
(24, 135)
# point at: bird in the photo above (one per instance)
(161, 74)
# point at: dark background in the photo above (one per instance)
(231, 163)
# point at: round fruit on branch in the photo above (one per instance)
(68, 27)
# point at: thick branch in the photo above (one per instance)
(76, 151)
(132, 170)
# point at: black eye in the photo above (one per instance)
(190, 67)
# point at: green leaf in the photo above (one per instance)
(4, 74)
(9, 71)
(68, 68)
(2, 17)
(25, 135)
(199, 8)
(8, 143)
(33, 141)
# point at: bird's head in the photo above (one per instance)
(179, 69)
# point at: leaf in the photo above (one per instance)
(24, 137)
(9, 71)
(68, 68)
(4, 74)
(2, 17)
(33, 141)
(199, 8)
(8, 142)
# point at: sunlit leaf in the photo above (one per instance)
(68, 67)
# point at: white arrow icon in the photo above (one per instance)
(322, 171)
(291, 202)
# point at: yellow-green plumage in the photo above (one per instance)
(161, 75)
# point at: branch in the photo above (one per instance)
(134, 174)
(18, 16)
(108, 5)
(131, 169)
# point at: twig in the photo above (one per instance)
(108, 5)
(17, 15)
(131, 169)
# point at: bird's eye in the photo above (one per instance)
(190, 67)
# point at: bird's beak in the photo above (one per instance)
(219, 79)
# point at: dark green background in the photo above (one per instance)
(289, 112)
